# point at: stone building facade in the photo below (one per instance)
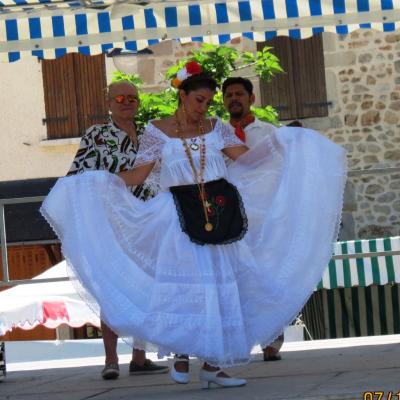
(363, 82)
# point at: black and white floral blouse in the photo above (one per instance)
(106, 147)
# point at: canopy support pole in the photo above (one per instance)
(4, 257)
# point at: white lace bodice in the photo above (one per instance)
(175, 167)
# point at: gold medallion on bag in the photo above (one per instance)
(208, 227)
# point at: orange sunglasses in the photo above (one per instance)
(120, 98)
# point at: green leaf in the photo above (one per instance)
(91, 154)
(114, 164)
(112, 145)
(121, 76)
(208, 47)
(267, 114)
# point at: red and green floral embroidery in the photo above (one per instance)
(215, 206)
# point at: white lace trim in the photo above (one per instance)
(227, 135)
(150, 147)
(153, 141)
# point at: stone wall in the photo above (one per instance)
(363, 86)
(363, 81)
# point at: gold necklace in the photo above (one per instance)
(198, 176)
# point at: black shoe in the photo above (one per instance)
(275, 357)
(147, 368)
(110, 371)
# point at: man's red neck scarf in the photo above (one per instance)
(241, 124)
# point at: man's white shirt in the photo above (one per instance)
(256, 131)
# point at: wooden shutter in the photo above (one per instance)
(309, 77)
(26, 262)
(60, 97)
(74, 94)
(280, 92)
(301, 91)
(38, 333)
(91, 82)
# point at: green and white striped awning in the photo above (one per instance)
(363, 263)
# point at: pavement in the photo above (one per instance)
(339, 369)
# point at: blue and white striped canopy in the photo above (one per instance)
(52, 28)
(13, 6)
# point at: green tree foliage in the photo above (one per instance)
(121, 76)
(220, 62)
(156, 105)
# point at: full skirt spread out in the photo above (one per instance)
(131, 260)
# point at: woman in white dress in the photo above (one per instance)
(222, 258)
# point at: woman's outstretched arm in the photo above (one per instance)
(235, 151)
(137, 175)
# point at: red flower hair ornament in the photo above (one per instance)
(190, 69)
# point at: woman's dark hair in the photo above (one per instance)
(200, 81)
(237, 80)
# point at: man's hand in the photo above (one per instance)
(235, 152)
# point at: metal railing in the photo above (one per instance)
(3, 237)
(358, 172)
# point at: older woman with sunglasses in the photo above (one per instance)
(113, 147)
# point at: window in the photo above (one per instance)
(74, 94)
(301, 91)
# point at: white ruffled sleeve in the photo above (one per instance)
(227, 135)
(150, 147)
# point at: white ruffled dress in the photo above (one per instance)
(131, 259)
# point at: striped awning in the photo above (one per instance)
(52, 28)
(28, 6)
(378, 263)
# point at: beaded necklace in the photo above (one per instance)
(198, 176)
